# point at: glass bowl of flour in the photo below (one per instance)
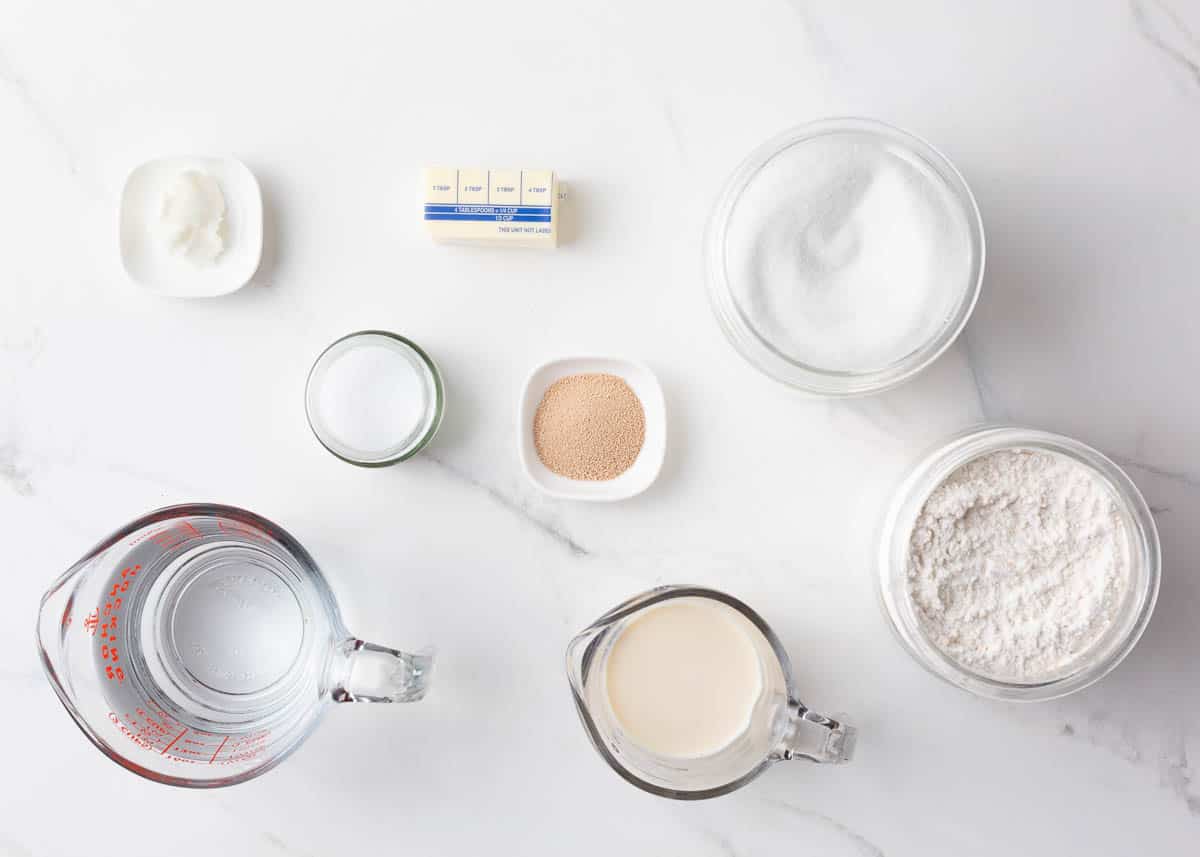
(844, 256)
(1018, 564)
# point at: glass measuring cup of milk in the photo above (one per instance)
(687, 693)
(199, 645)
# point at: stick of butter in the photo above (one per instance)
(519, 208)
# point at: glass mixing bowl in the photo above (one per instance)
(767, 331)
(1132, 616)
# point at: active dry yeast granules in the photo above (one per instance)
(589, 426)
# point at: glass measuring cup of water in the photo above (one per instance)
(729, 649)
(199, 646)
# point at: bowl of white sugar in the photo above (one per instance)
(1018, 564)
(844, 256)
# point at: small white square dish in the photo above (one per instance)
(146, 253)
(645, 468)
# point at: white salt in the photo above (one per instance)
(374, 398)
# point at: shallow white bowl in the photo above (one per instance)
(645, 469)
(152, 265)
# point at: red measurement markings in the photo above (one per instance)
(150, 734)
(161, 534)
(172, 744)
(175, 535)
(162, 726)
(238, 529)
(191, 754)
(220, 747)
(189, 746)
(246, 748)
(110, 614)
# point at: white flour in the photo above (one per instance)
(1018, 564)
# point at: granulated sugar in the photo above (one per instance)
(1018, 564)
(847, 254)
(589, 426)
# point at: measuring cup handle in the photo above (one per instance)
(816, 737)
(371, 673)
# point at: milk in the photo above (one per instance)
(683, 678)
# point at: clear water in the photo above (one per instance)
(210, 631)
(235, 626)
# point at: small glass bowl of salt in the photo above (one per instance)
(374, 398)
(844, 256)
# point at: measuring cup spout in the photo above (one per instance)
(55, 618)
(816, 737)
(370, 673)
(580, 652)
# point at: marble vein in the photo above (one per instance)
(1182, 477)
(668, 114)
(13, 80)
(1165, 29)
(723, 845)
(15, 476)
(516, 507)
(818, 40)
(992, 411)
(989, 408)
(861, 843)
(1172, 763)
(280, 845)
(1175, 771)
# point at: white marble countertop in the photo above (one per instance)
(1078, 129)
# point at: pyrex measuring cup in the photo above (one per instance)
(780, 726)
(199, 645)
